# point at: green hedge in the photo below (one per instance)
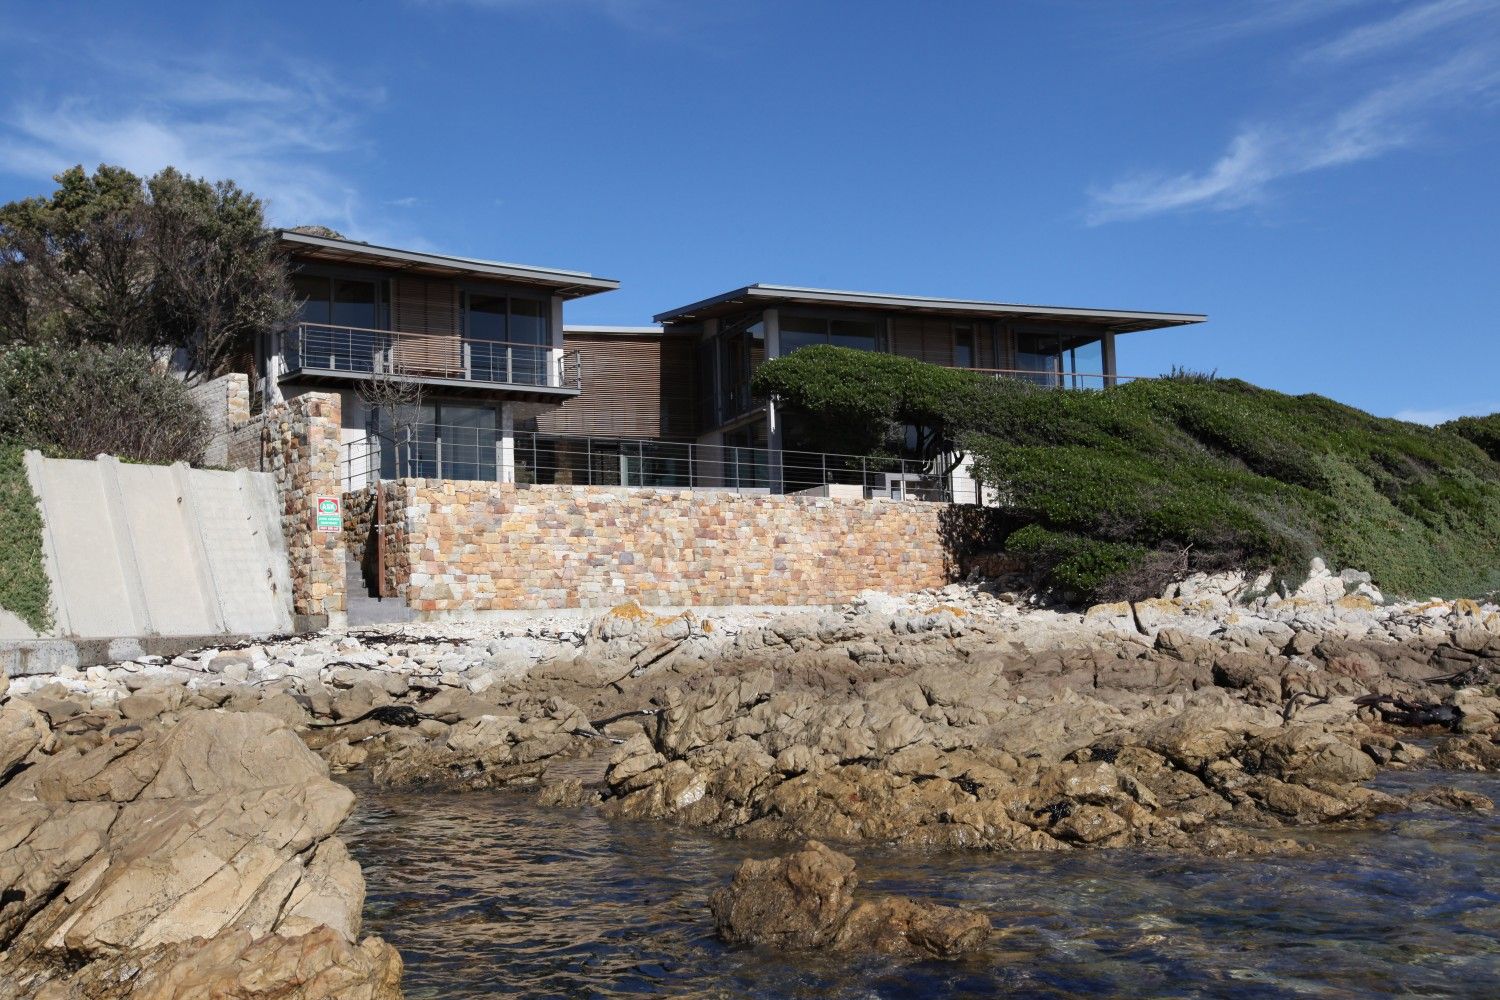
(1213, 473)
(23, 578)
(1122, 488)
(78, 402)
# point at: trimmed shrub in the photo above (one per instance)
(23, 578)
(83, 401)
(1121, 489)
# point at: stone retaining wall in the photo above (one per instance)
(225, 403)
(298, 442)
(477, 547)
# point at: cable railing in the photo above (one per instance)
(433, 451)
(1057, 379)
(318, 347)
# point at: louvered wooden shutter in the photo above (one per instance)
(427, 327)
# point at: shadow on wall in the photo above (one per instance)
(974, 539)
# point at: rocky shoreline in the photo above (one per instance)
(1217, 719)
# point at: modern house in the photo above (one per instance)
(465, 369)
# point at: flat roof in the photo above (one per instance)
(568, 284)
(1118, 320)
(613, 331)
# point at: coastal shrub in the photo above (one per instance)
(23, 579)
(1483, 431)
(78, 402)
(1119, 489)
(862, 402)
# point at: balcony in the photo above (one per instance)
(318, 351)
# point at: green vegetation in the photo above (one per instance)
(860, 402)
(78, 402)
(23, 579)
(1121, 488)
(171, 264)
(1483, 431)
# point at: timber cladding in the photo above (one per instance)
(472, 547)
(633, 386)
(429, 308)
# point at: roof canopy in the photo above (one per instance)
(764, 296)
(568, 284)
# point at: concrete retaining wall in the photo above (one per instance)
(147, 550)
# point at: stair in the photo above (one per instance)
(366, 610)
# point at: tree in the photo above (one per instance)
(174, 264)
(396, 401)
(863, 402)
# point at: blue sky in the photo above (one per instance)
(1322, 177)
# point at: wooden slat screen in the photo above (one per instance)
(633, 387)
(426, 306)
(925, 340)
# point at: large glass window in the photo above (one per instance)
(486, 317)
(1040, 353)
(509, 338)
(804, 331)
(449, 441)
(800, 331)
(528, 321)
(963, 346)
(355, 304)
(742, 348)
(311, 292)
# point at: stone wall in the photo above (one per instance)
(298, 442)
(476, 547)
(398, 514)
(225, 403)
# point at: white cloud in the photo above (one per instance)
(1194, 23)
(1402, 100)
(1389, 117)
(1441, 415)
(1400, 29)
(278, 134)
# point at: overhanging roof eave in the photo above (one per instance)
(569, 284)
(1123, 320)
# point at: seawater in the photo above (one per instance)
(489, 894)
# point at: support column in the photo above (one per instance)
(505, 444)
(771, 320)
(554, 365)
(1107, 352)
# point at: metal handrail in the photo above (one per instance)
(475, 453)
(1049, 373)
(363, 350)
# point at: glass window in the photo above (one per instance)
(801, 331)
(1088, 361)
(528, 321)
(486, 317)
(963, 347)
(861, 335)
(468, 441)
(354, 304)
(742, 348)
(311, 292)
(1041, 353)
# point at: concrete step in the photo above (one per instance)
(366, 610)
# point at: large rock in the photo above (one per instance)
(218, 829)
(806, 900)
